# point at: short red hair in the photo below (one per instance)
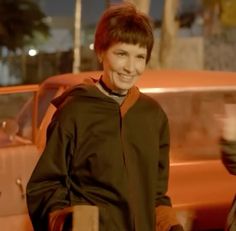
(123, 23)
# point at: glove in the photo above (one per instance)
(176, 228)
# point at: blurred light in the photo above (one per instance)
(199, 20)
(47, 20)
(32, 52)
(152, 90)
(91, 46)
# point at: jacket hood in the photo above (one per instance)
(88, 89)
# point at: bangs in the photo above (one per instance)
(131, 32)
(131, 36)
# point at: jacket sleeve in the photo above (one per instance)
(165, 215)
(228, 155)
(163, 165)
(47, 189)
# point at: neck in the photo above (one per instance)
(109, 91)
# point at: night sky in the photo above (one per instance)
(92, 9)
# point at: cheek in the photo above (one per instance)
(111, 64)
(116, 64)
(141, 67)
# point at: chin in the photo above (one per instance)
(126, 88)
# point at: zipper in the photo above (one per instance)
(124, 153)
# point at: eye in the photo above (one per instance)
(141, 57)
(120, 53)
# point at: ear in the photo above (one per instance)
(100, 57)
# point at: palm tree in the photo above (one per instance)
(77, 34)
(169, 26)
(77, 41)
(20, 22)
(142, 5)
(218, 12)
(107, 3)
(228, 16)
(168, 31)
(211, 15)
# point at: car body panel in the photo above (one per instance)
(199, 183)
(205, 188)
(16, 166)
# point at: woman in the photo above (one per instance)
(108, 144)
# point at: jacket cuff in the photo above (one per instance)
(58, 217)
(166, 218)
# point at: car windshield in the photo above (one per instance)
(194, 118)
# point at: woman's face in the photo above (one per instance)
(122, 65)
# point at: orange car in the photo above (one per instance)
(199, 185)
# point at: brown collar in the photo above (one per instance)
(129, 101)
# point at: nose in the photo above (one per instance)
(129, 66)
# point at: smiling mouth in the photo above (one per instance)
(126, 78)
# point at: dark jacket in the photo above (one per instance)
(100, 153)
(228, 154)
